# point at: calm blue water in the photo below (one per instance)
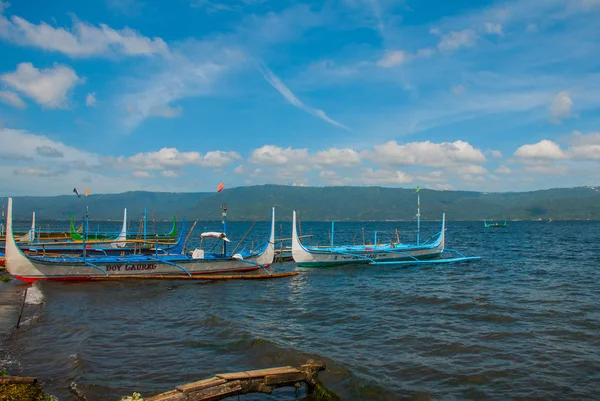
(523, 323)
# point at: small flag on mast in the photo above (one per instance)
(87, 191)
(76, 192)
(418, 189)
(220, 187)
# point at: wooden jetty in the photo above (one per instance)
(221, 386)
(225, 385)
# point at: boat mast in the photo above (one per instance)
(332, 225)
(85, 231)
(224, 207)
(418, 215)
(144, 225)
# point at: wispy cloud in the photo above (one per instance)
(290, 97)
(560, 107)
(83, 40)
(90, 99)
(13, 99)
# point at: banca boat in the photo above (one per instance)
(33, 268)
(430, 251)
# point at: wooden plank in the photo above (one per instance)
(288, 378)
(225, 389)
(17, 380)
(172, 395)
(199, 385)
(251, 374)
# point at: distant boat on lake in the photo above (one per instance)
(494, 224)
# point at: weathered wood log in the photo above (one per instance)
(225, 385)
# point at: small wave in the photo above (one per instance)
(34, 296)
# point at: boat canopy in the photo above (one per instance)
(214, 234)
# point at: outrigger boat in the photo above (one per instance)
(119, 245)
(33, 268)
(430, 251)
(495, 224)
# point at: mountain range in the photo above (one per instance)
(351, 203)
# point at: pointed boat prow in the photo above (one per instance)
(16, 263)
(268, 256)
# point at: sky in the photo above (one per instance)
(179, 96)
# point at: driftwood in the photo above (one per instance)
(254, 381)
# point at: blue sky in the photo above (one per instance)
(120, 95)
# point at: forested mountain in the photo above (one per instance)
(321, 204)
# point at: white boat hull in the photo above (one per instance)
(30, 269)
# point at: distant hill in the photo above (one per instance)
(321, 204)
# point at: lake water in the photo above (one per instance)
(522, 323)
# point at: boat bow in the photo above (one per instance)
(16, 262)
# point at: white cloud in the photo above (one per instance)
(331, 177)
(171, 158)
(432, 176)
(585, 152)
(29, 146)
(141, 174)
(373, 177)
(170, 174)
(90, 99)
(274, 155)
(425, 154)
(49, 87)
(496, 153)
(560, 108)
(471, 179)
(39, 171)
(548, 169)
(49, 151)
(83, 40)
(503, 170)
(337, 157)
(276, 83)
(165, 111)
(393, 58)
(584, 147)
(243, 170)
(493, 29)
(543, 150)
(579, 139)
(455, 40)
(470, 169)
(13, 99)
